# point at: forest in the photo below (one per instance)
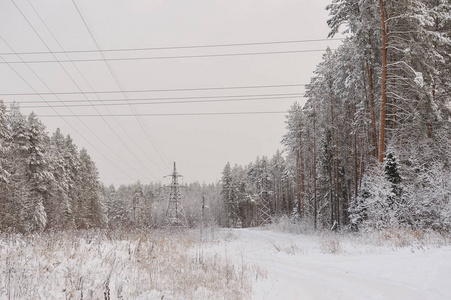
(370, 148)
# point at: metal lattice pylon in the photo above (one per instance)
(265, 211)
(175, 215)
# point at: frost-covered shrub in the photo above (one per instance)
(426, 169)
(413, 191)
(430, 194)
(373, 207)
(292, 225)
(330, 244)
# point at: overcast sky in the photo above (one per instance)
(129, 147)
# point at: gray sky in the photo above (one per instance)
(128, 148)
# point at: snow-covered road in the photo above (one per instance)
(301, 267)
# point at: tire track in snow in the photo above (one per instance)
(297, 278)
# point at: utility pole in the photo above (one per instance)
(175, 216)
(137, 197)
(203, 219)
(135, 200)
(134, 214)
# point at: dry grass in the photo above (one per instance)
(295, 249)
(407, 237)
(289, 225)
(330, 244)
(115, 265)
(401, 237)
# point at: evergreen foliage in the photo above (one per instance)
(371, 147)
(45, 182)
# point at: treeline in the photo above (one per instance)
(243, 188)
(371, 147)
(45, 182)
(145, 205)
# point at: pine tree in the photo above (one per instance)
(60, 212)
(277, 169)
(72, 171)
(117, 209)
(293, 142)
(358, 211)
(32, 215)
(230, 198)
(91, 206)
(5, 140)
(6, 216)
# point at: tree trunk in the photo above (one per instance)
(334, 165)
(384, 84)
(298, 181)
(302, 177)
(369, 72)
(429, 134)
(315, 204)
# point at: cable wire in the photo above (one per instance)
(165, 102)
(173, 47)
(165, 57)
(72, 79)
(173, 114)
(158, 90)
(119, 84)
(94, 106)
(172, 98)
(57, 114)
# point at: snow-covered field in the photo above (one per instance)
(337, 267)
(160, 264)
(228, 264)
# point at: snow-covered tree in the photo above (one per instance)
(231, 197)
(41, 178)
(38, 178)
(6, 207)
(91, 209)
(60, 211)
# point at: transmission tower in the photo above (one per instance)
(265, 211)
(175, 215)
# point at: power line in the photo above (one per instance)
(67, 73)
(164, 102)
(59, 115)
(170, 98)
(103, 119)
(157, 90)
(166, 57)
(171, 114)
(173, 47)
(119, 84)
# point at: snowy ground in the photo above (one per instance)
(98, 264)
(228, 264)
(331, 267)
